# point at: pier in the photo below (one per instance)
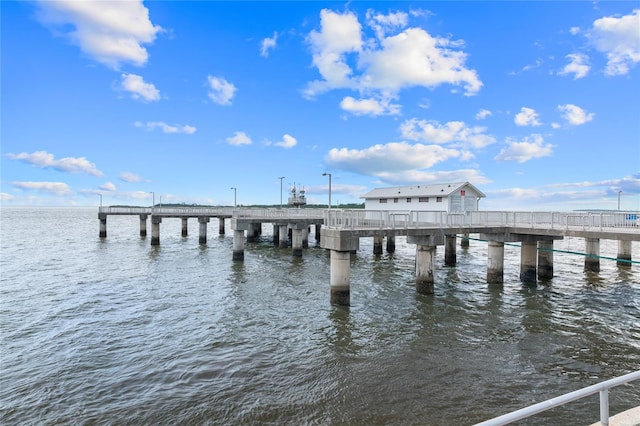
(339, 231)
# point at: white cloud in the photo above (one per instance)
(578, 65)
(338, 35)
(220, 90)
(55, 188)
(415, 58)
(111, 32)
(383, 24)
(139, 89)
(391, 157)
(575, 115)
(410, 58)
(6, 197)
(452, 132)
(618, 38)
(108, 186)
(129, 177)
(528, 149)
(268, 44)
(239, 138)
(370, 106)
(482, 114)
(166, 128)
(68, 164)
(527, 117)
(287, 142)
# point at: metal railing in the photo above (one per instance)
(195, 211)
(359, 218)
(602, 388)
(276, 213)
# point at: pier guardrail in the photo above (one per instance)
(358, 218)
(602, 388)
(168, 211)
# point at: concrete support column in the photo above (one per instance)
(252, 232)
(450, 250)
(495, 260)
(155, 230)
(377, 245)
(545, 260)
(340, 271)
(202, 239)
(238, 245)
(276, 234)
(464, 241)
(391, 244)
(624, 253)
(143, 225)
(283, 239)
(296, 242)
(305, 237)
(424, 268)
(185, 230)
(221, 225)
(103, 224)
(318, 227)
(528, 252)
(592, 259)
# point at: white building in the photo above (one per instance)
(449, 197)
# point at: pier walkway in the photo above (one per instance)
(340, 230)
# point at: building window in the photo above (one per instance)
(423, 199)
(395, 200)
(438, 199)
(408, 200)
(383, 201)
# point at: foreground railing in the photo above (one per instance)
(416, 219)
(602, 388)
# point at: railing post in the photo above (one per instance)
(604, 407)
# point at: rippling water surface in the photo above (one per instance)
(117, 331)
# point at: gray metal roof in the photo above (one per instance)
(428, 190)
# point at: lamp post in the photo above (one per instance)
(619, 192)
(281, 177)
(328, 174)
(100, 200)
(153, 202)
(234, 195)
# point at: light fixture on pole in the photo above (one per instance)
(153, 201)
(234, 195)
(619, 192)
(328, 174)
(281, 177)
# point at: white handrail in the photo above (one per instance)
(359, 218)
(602, 387)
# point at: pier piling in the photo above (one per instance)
(528, 252)
(592, 259)
(545, 260)
(340, 270)
(495, 262)
(155, 230)
(103, 225)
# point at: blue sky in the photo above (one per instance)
(535, 103)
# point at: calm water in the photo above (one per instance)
(116, 331)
